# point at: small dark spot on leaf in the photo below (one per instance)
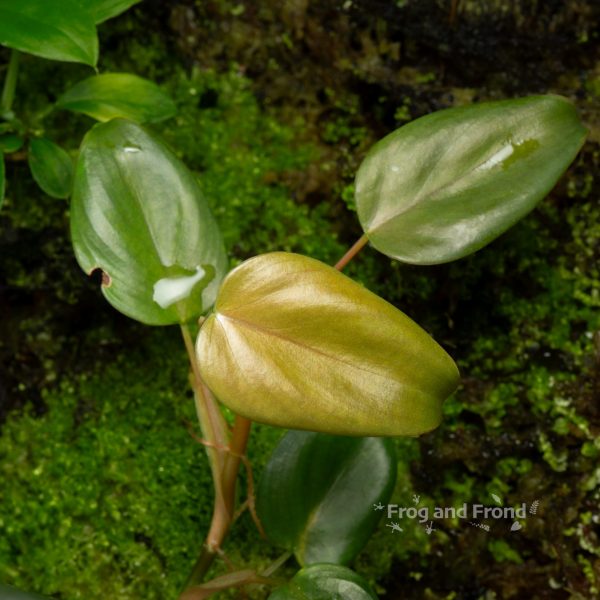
(101, 277)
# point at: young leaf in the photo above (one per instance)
(56, 30)
(138, 214)
(101, 10)
(317, 494)
(51, 167)
(105, 97)
(325, 582)
(10, 142)
(449, 183)
(295, 343)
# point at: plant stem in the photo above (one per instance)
(10, 82)
(354, 250)
(224, 455)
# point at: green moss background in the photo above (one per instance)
(105, 493)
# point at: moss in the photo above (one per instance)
(109, 486)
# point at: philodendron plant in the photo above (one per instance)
(286, 340)
(65, 31)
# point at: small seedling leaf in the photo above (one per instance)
(51, 167)
(113, 95)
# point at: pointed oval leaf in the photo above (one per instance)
(325, 582)
(10, 143)
(318, 492)
(138, 214)
(449, 183)
(51, 167)
(101, 10)
(112, 95)
(56, 30)
(295, 343)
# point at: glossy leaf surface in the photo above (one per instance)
(325, 582)
(101, 10)
(112, 95)
(295, 343)
(56, 30)
(10, 142)
(51, 167)
(317, 492)
(449, 183)
(138, 214)
(8, 592)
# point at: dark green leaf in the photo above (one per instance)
(325, 582)
(138, 214)
(51, 167)
(449, 183)
(10, 143)
(101, 10)
(112, 95)
(10, 593)
(295, 343)
(317, 494)
(56, 30)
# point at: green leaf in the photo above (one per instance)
(113, 95)
(317, 494)
(10, 593)
(10, 143)
(101, 10)
(2, 180)
(449, 183)
(325, 582)
(295, 343)
(138, 214)
(56, 30)
(51, 167)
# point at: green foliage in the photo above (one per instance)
(447, 184)
(317, 493)
(113, 95)
(138, 214)
(51, 167)
(59, 31)
(101, 10)
(325, 582)
(349, 363)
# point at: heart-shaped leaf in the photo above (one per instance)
(56, 30)
(112, 95)
(138, 214)
(101, 10)
(10, 593)
(318, 493)
(449, 183)
(51, 167)
(325, 582)
(295, 343)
